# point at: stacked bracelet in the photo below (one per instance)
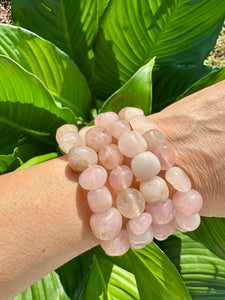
(119, 160)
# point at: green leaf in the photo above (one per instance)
(137, 91)
(131, 32)
(37, 160)
(211, 234)
(170, 82)
(108, 281)
(210, 79)
(70, 25)
(48, 288)
(202, 271)
(7, 163)
(28, 113)
(53, 67)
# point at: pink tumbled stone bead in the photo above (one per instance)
(145, 165)
(82, 157)
(63, 129)
(110, 156)
(97, 137)
(121, 177)
(106, 225)
(99, 200)
(166, 156)
(83, 132)
(68, 140)
(141, 124)
(138, 241)
(162, 232)
(106, 119)
(162, 212)
(154, 139)
(140, 224)
(131, 143)
(188, 203)
(127, 113)
(93, 178)
(119, 127)
(178, 179)
(154, 189)
(188, 223)
(118, 246)
(130, 203)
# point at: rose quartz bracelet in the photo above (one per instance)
(119, 160)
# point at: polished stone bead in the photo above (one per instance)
(188, 203)
(188, 223)
(154, 189)
(83, 132)
(140, 224)
(130, 203)
(154, 139)
(97, 137)
(118, 246)
(121, 177)
(145, 165)
(166, 156)
(162, 232)
(131, 143)
(119, 127)
(141, 124)
(127, 113)
(82, 157)
(178, 179)
(110, 156)
(162, 212)
(65, 128)
(93, 178)
(106, 119)
(141, 240)
(99, 200)
(106, 225)
(68, 140)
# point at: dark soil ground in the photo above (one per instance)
(216, 57)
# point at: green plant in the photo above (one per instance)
(99, 55)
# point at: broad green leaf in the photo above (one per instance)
(108, 281)
(211, 234)
(210, 79)
(73, 275)
(8, 163)
(137, 91)
(69, 24)
(48, 288)
(52, 66)
(131, 32)
(28, 113)
(170, 82)
(156, 276)
(202, 271)
(102, 5)
(37, 160)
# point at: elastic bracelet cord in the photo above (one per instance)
(129, 172)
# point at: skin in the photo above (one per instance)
(44, 217)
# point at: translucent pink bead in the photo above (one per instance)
(178, 179)
(127, 113)
(141, 124)
(154, 139)
(145, 165)
(188, 223)
(97, 137)
(162, 212)
(82, 157)
(68, 140)
(63, 129)
(99, 200)
(141, 240)
(110, 156)
(166, 156)
(93, 178)
(119, 127)
(106, 119)
(83, 132)
(118, 246)
(106, 225)
(188, 203)
(131, 143)
(162, 232)
(140, 224)
(130, 203)
(121, 177)
(154, 189)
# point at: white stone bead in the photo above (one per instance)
(178, 179)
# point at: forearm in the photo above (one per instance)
(44, 221)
